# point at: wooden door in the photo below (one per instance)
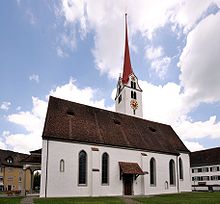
(128, 184)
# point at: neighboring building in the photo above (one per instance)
(12, 175)
(88, 151)
(205, 169)
(32, 163)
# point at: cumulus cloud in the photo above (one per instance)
(193, 146)
(188, 13)
(32, 122)
(5, 105)
(163, 103)
(34, 77)
(199, 61)
(199, 129)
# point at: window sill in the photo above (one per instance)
(105, 184)
(82, 185)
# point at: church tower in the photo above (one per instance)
(128, 98)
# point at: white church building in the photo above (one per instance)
(93, 152)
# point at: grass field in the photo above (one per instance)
(100, 200)
(11, 200)
(183, 198)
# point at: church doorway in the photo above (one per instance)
(128, 184)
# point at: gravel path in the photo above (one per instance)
(28, 200)
(129, 200)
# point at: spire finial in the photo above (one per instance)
(127, 69)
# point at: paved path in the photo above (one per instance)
(129, 200)
(28, 200)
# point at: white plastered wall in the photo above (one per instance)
(65, 184)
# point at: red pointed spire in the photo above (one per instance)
(127, 69)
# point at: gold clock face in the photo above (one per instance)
(134, 104)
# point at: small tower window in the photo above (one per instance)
(133, 85)
(133, 95)
(119, 99)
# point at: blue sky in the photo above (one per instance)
(73, 49)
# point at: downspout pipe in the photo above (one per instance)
(177, 174)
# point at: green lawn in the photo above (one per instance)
(183, 198)
(11, 200)
(100, 200)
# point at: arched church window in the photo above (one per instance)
(181, 168)
(62, 165)
(82, 168)
(172, 172)
(105, 168)
(152, 171)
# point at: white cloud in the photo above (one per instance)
(154, 52)
(61, 53)
(199, 62)
(199, 129)
(5, 105)
(18, 108)
(163, 103)
(188, 13)
(160, 66)
(34, 77)
(193, 146)
(71, 92)
(5, 133)
(2, 145)
(32, 122)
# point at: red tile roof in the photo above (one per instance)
(205, 157)
(130, 168)
(73, 122)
